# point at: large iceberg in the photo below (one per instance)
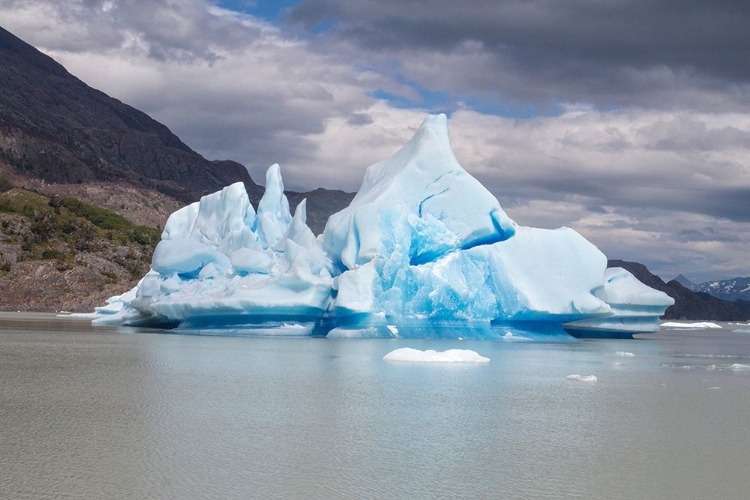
(423, 250)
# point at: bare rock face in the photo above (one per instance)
(56, 128)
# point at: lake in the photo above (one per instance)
(133, 413)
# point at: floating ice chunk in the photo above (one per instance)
(740, 330)
(699, 325)
(407, 354)
(739, 367)
(512, 336)
(582, 378)
(624, 354)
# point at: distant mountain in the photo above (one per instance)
(682, 280)
(321, 204)
(732, 289)
(688, 304)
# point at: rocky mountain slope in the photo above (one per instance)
(688, 304)
(63, 254)
(682, 280)
(56, 128)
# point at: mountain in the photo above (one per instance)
(321, 203)
(682, 280)
(86, 183)
(688, 304)
(59, 136)
(732, 289)
(56, 128)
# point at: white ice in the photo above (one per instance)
(699, 325)
(407, 354)
(582, 378)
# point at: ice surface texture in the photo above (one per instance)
(422, 245)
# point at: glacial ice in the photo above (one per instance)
(409, 355)
(635, 306)
(423, 250)
(582, 378)
(702, 325)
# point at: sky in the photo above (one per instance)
(627, 120)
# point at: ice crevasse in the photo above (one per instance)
(423, 250)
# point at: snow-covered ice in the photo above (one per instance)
(407, 354)
(700, 325)
(582, 378)
(624, 354)
(422, 244)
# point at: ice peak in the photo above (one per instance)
(273, 216)
(427, 155)
(424, 179)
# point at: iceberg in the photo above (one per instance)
(423, 250)
(409, 355)
(702, 325)
(582, 378)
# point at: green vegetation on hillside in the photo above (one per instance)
(66, 231)
(65, 218)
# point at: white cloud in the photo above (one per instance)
(232, 86)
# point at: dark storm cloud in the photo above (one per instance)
(609, 52)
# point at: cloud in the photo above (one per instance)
(228, 84)
(663, 177)
(641, 52)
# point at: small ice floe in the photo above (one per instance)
(582, 378)
(616, 363)
(64, 314)
(624, 354)
(740, 330)
(409, 355)
(714, 388)
(699, 325)
(510, 336)
(739, 367)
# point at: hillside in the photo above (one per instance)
(56, 128)
(63, 254)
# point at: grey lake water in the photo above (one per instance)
(131, 413)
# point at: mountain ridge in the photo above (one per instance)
(688, 305)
